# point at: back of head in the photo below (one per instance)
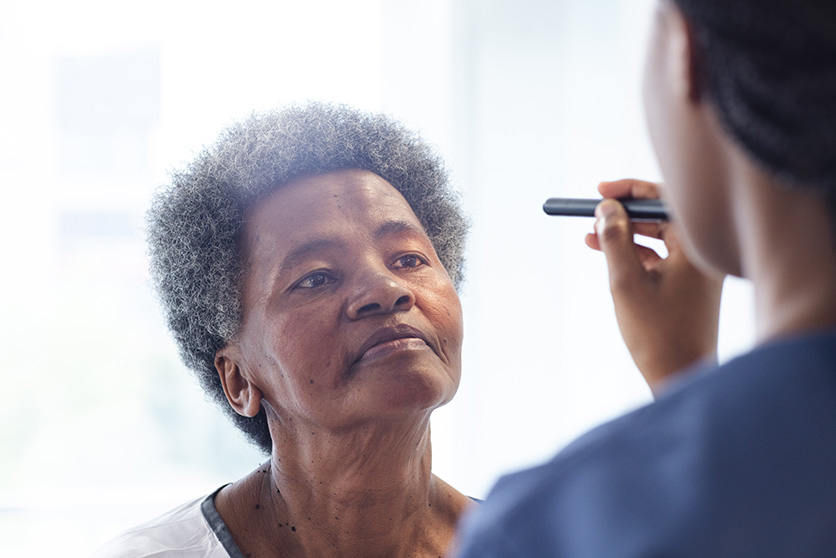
(769, 67)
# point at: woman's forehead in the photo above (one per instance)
(328, 205)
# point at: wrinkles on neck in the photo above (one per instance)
(366, 491)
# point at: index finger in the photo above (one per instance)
(629, 188)
(652, 230)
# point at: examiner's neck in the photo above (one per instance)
(792, 261)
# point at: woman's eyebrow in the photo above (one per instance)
(317, 245)
(306, 250)
(395, 227)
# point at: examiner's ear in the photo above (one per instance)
(688, 57)
(241, 393)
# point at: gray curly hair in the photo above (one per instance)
(195, 222)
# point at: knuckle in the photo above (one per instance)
(615, 230)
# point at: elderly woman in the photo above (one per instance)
(308, 264)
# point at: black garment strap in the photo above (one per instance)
(213, 518)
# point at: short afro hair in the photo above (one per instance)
(195, 222)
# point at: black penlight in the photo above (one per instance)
(637, 209)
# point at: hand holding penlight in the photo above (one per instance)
(638, 209)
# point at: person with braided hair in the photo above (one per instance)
(737, 459)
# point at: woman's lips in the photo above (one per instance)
(388, 340)
(386, 348)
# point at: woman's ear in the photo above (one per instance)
(243, 395)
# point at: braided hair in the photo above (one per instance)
(770, 70)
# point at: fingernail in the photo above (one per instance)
(604, 210)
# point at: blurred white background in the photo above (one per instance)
(102, 427)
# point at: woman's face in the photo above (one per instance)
(348, 313)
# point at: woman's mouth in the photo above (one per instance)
(386, 348)
(388, 340)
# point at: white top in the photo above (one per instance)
(193, 530)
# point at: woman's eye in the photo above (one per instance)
(409, 261)
(316, 279)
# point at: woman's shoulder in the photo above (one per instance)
(181, 532)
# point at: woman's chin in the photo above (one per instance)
(407, 391)
(418, 394)
(405, 395)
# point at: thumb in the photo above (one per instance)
(615, 236)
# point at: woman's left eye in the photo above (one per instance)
(409, 261)
(317, 279)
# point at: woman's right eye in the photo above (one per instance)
(315, 279)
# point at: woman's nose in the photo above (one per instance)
(379, 294)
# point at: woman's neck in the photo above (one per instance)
(367, 492)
